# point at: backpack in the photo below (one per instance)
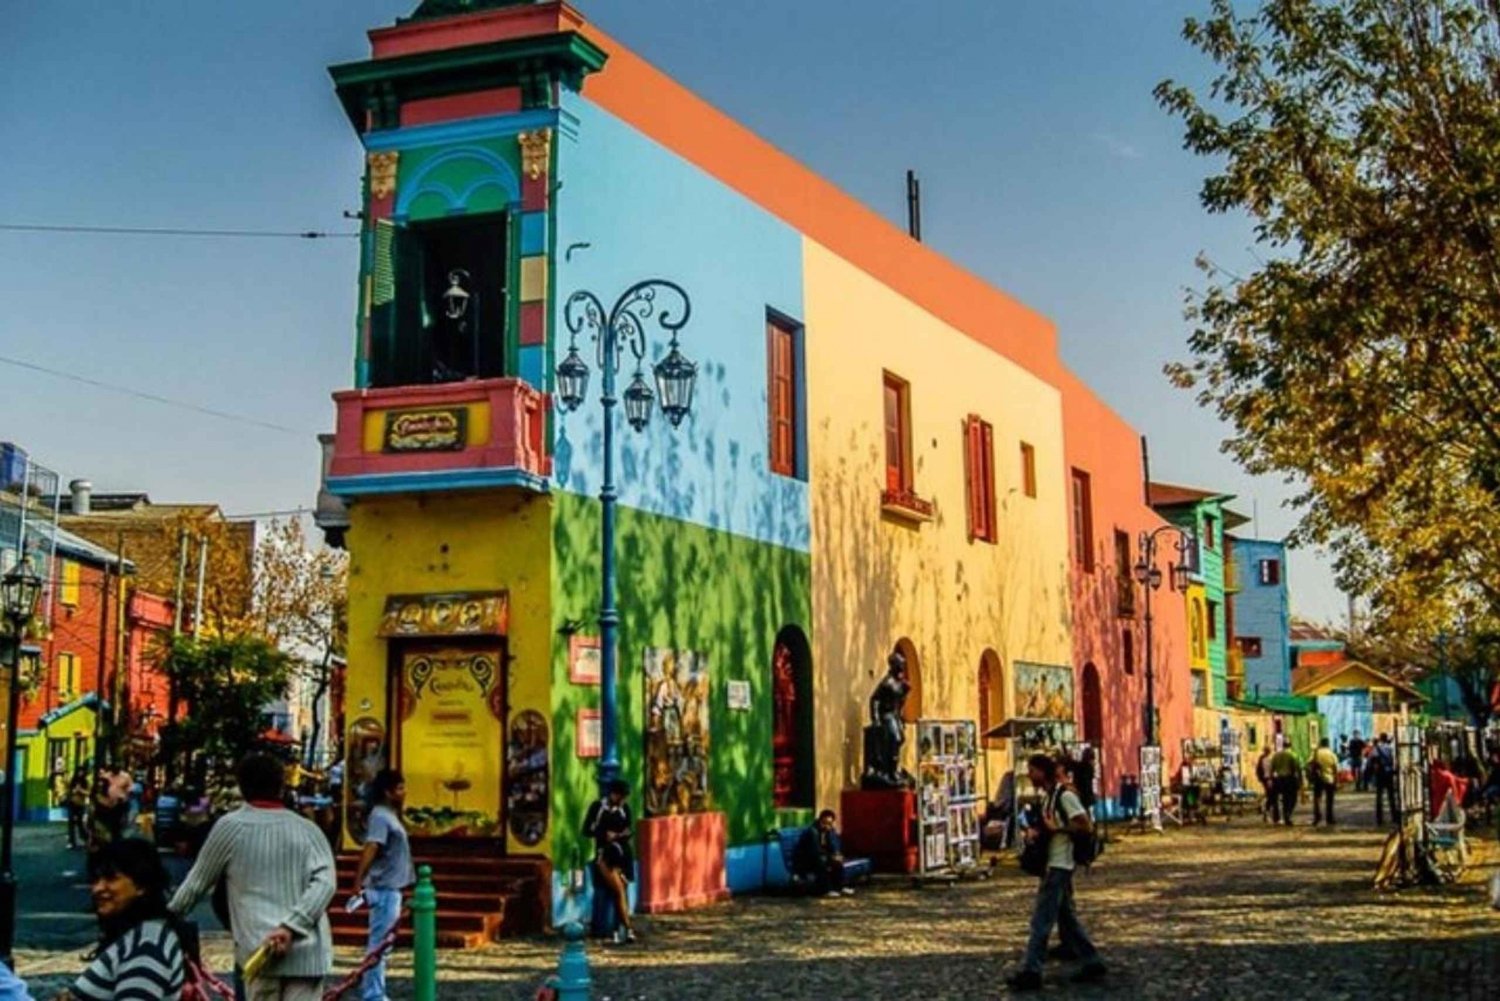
(1087, 847)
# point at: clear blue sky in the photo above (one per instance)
(1046, 168)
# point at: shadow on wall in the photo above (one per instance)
(1100, 635)
(877, 579)
(679, 586)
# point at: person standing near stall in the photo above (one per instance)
(1062, 817)
(1383, 774)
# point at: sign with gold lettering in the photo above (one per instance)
(451, 746)
(441, 429)
(475, 613)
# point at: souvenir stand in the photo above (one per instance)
(1199, 777)
(1026, 737)
(948, 800)
(1150, 789)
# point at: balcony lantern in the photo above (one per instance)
(675, 377)
(1142, 572)
(638, 398)
(572, 380)
(456, 299)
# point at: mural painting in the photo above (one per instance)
(526, 778)
(677, 739)
(1044, 691)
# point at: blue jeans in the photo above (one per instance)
(1054, 906)
(385, 911)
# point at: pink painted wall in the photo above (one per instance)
(1099, 442)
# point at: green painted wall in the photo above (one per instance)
(1211, 572)
(683, 587)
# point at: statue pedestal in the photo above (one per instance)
(880, 825)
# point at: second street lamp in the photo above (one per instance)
(1149, 576)
(623, 327)
(20, 590)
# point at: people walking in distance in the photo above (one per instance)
(608, 823)
(1286, 783)
(820, 855)
(1356, 760)
(1267, 785)
(280, 880)
(140, 953)
(1062, 816)
(1323, 776)
(385, 869)
(1383, 777)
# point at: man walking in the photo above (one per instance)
(280, 878)
(1286, 782)
(1062, 817)
(1267, 785)
(1383, 771)
(1357, 761)
(1323, 773)
(385, 870)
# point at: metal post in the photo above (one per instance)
(198, 601)
(609, 615)
(424, 937)
(1150, 727)
(7, 828)
(573, 982)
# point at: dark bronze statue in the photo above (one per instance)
(885, 734)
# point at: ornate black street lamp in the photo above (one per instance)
(20, 590)
(1149, 576)
(623, 326)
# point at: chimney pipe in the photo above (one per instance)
(83, 492)
(914, 206)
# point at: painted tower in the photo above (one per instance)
(1261, 639)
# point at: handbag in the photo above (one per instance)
(1034, 855)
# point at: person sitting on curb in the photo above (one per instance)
(820, 854)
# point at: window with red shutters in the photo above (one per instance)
(979, 469)
(781, 349)
(897, 435)
(1083, 521)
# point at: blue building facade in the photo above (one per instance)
(1261, 613)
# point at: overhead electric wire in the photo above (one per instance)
(18, 227)
(154, 398)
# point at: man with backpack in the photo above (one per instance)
(1061, 821)
(1383, 770)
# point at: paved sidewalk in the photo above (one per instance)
(1237, 910)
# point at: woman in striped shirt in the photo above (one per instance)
(140, 955)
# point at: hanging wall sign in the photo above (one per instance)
(588, 733)
(584, 667)
(737, 693)
(462, 614)
(450, 741)
(442, 429)
(526, 778)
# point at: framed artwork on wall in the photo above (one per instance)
(583, 660)
(589, 733)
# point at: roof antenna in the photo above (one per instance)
(914, 206)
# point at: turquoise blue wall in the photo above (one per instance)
(646, 213)
(1262, 610)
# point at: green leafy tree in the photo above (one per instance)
(1360, 359)
(223, 684)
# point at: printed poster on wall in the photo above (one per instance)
(451, 743)
(677, 740)
(948, 794)
(1151, 785)
(1044, 691)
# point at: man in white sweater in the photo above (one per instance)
(280, 876)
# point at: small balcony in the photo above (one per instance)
(475, 434)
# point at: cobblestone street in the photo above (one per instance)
(1235, 910)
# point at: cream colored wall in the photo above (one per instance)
(443, 543)
(876, 579)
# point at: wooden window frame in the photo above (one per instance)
(783, 402)
(898, 475)
(1210, 526)
(1273, 578)
(1124, 576)
(1028, 469)
(1250, 646)
(70, 583)
(979, 478)
(1081, 504)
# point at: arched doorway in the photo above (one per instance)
(1093, 706)
(991, 696)
(792, 764)
(913, 710)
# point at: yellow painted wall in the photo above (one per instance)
(1197, 612)
(876, 580)
(452, 542)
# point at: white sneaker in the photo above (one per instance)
(848, 891)
(831, 894)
